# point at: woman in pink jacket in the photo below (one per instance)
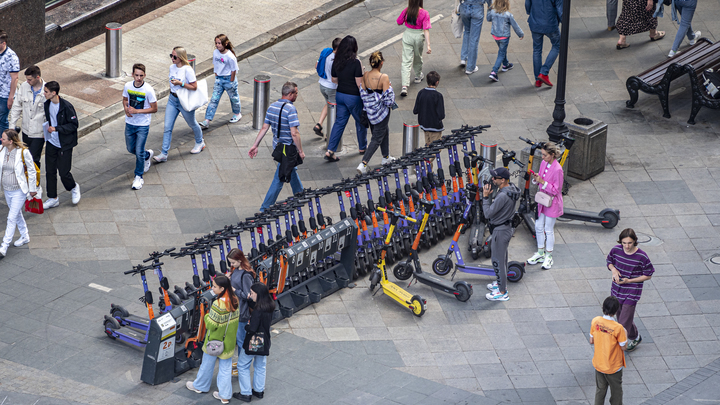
(550, 181)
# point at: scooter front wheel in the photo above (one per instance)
(110, 325)
(465, 292)
(515, 271)
(374, 279)
(402, 271)
(442, 266)
(418, 305)
(610, 220)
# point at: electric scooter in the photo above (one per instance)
(403, 270)
(414, 303)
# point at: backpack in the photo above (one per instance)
(37, 169)
(321, 62)
(711, 81)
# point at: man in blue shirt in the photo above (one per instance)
(544, 20)
(287, 134)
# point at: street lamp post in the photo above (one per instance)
(558, 128)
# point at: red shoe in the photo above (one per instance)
(545, 79)
(538, 83)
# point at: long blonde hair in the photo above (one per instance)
(182, 55)
(13, 136)
(501, 6)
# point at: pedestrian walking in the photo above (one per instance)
(139, 102)
(430, 109)
(417, 34)
(610, 340)
(327, 87)
(282, 117)
(630, 267)
(501, 18)
(636, 16)
(611, 7)
(686, 9)
(499, 213)
(9, 69)
(16, 186)
(256, 346)
(550, 180)
(222, 324)
(347, 72)
(225, 67)
(378, 98)
(181, 75)
(472, 14)
(544, 19)
(62, 124)
(29, 105)
(242, 277)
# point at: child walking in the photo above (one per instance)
(226, 67)
(430, 109)
(501, 18)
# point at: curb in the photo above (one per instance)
(245, 50)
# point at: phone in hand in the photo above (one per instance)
(532, 173)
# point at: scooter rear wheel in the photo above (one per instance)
(402, 271)
(374, 279)
(464, 292)
(442, 266)
(418, 304)
(611, 218)
(515, 271)
(110, 325)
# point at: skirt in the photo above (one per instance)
(634, 19)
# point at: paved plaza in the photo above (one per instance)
(355, 348)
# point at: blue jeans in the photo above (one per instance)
(538, 67)
(502, 54)
(4, 111)
(347, 105)
(224, 379)
(472, 18)
(135, 137)
(686, 9)
(243, 365)
(223, 83)
(276, 186)
(171, 112)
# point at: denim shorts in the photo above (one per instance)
(328, 93)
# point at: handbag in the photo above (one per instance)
(456, 24)
(544, 199)
(217, 347)
(34, 205)
(192, 100)
(256, 343)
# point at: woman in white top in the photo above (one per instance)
(16, 186)
(226, 67)
(182, 75)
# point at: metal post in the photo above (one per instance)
(261, 100)
(489, 152)
(113, 49)
(330, 121)
(558, 128)
(191, 61)
(411, 138)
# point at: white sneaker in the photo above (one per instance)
(236, 118)
(198, 147)
(75, 194)
(469, 72)
(695, 38)
(204, 124)
(160, 158)
(403, 91)
(148, 161)
(492, 286)
(22, 241)
(3, 250)
(536, 258)
(362, 168)
(388, 159)
(463, 62)
(495, 295)
(138, 183)
(419, 78)
(189, 385)
(51, 203)
(671, 53)
(547, 264)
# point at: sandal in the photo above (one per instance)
(331, 157)
(622, 46)
(660, 35)
(318, 129)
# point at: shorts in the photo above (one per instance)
(432, 136)
(328, 93)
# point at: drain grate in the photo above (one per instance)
(649, 240)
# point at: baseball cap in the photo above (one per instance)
(500, 172)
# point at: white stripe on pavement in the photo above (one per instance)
(99, 287)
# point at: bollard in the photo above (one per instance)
(261, 100)
(191, 61)
(329, 123)
(113, 49)
(411, 138)
(489, 152)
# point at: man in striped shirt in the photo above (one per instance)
(284, 114)
(630, 267)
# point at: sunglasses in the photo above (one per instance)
(173, 57)
(497, 178)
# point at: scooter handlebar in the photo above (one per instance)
(397, 214)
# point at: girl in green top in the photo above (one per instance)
(222, 324)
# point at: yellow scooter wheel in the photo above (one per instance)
(418, 305)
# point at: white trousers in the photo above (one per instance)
(16, 203)
(545, 232)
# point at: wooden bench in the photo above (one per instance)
(700, 97)
(656, 80)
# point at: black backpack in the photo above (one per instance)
(711, 81)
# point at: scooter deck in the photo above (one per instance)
(134, 321)
(476, 270)
(436, 282)
(132, 334)
(396, 292)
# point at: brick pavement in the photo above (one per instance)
(532, 348)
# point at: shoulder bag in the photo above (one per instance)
(217, 347)
(256, 343)
(191, 100)
(543, 198)
(456, 24)
(279, 148)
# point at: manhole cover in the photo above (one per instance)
(714, 259)
(648, 240)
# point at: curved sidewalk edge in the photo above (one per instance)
(697, 381)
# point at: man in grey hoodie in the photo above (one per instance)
(499, 213)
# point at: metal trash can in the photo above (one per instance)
(411, 138)
(113, 49)
(329, 122)
(261, 100)
(489, 152)
(191, 61)
(587, 155)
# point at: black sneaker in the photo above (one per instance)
(508, 67)
(241, 397)
(258, 394)
(493, 76)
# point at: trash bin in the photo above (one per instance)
(587, 155)
(411, 138)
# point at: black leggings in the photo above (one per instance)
(380, 137)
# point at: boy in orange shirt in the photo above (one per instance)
(610, 340)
